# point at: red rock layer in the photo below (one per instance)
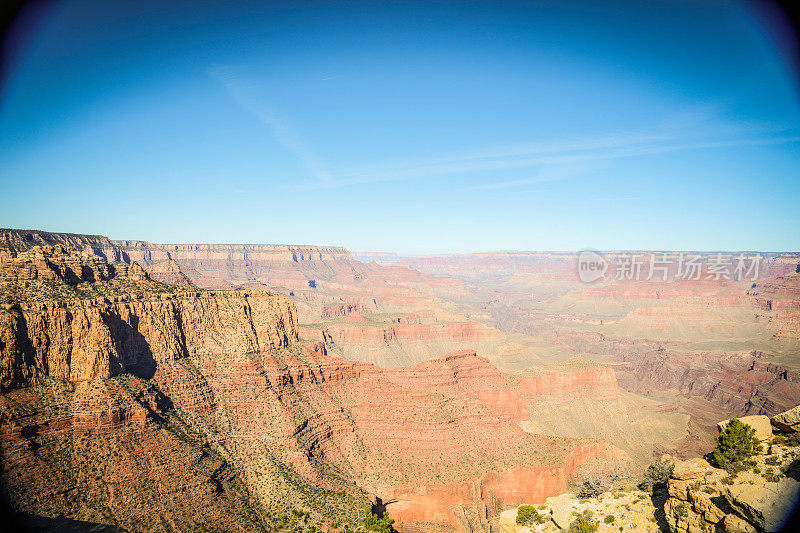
(102, 453)
(595, 381)
(465, 331)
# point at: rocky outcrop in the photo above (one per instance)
(129, 324)
(58, 265)
(788, 421)
(15, 241)
(704, 498)
(769, 506)
(760, 423)
(629, 510)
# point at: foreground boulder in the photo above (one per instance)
(788, 421)
(761, 423)
(768, 506)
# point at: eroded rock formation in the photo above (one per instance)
(131, 402)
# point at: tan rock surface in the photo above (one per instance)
(767, 506)
(760, 423)
(788, 421)
(734, 524)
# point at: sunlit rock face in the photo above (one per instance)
(132, 402)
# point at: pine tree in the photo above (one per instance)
(736, 443)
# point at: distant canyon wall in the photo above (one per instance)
(203, 265)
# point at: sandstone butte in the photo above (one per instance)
(149, 406)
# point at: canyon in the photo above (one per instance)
(238, 381)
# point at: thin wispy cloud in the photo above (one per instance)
(548, 155)
(556, 160)
(633, 151)
(487, 159)
(250, 97)
(546, 174)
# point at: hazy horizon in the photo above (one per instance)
(418, 255)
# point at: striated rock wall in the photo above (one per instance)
(597, 381)
(340, 334)
(15, 241)
(206, 265)
(48, 328)
(101, 338)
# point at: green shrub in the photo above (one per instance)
(583, 524)
(527, 515)
(735, 444)
(591, 488)
(609, 519)
(771, 460)
(382, 524)
(657, 474)
(770, 475)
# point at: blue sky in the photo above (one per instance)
(409, 127)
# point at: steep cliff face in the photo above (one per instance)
(206, 265)
(15, 241)
(223, 265)
(577, 377)
(116, 330)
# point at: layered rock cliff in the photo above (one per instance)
(15, 241)
(131, 402)
(49, 328)
(206, 265)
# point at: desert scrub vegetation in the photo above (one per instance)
(735, 445)
(792, 439)
(770, 475)
(298, 520)
(528, 515)
(656, 475)
(583, 523)
(592, 488)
